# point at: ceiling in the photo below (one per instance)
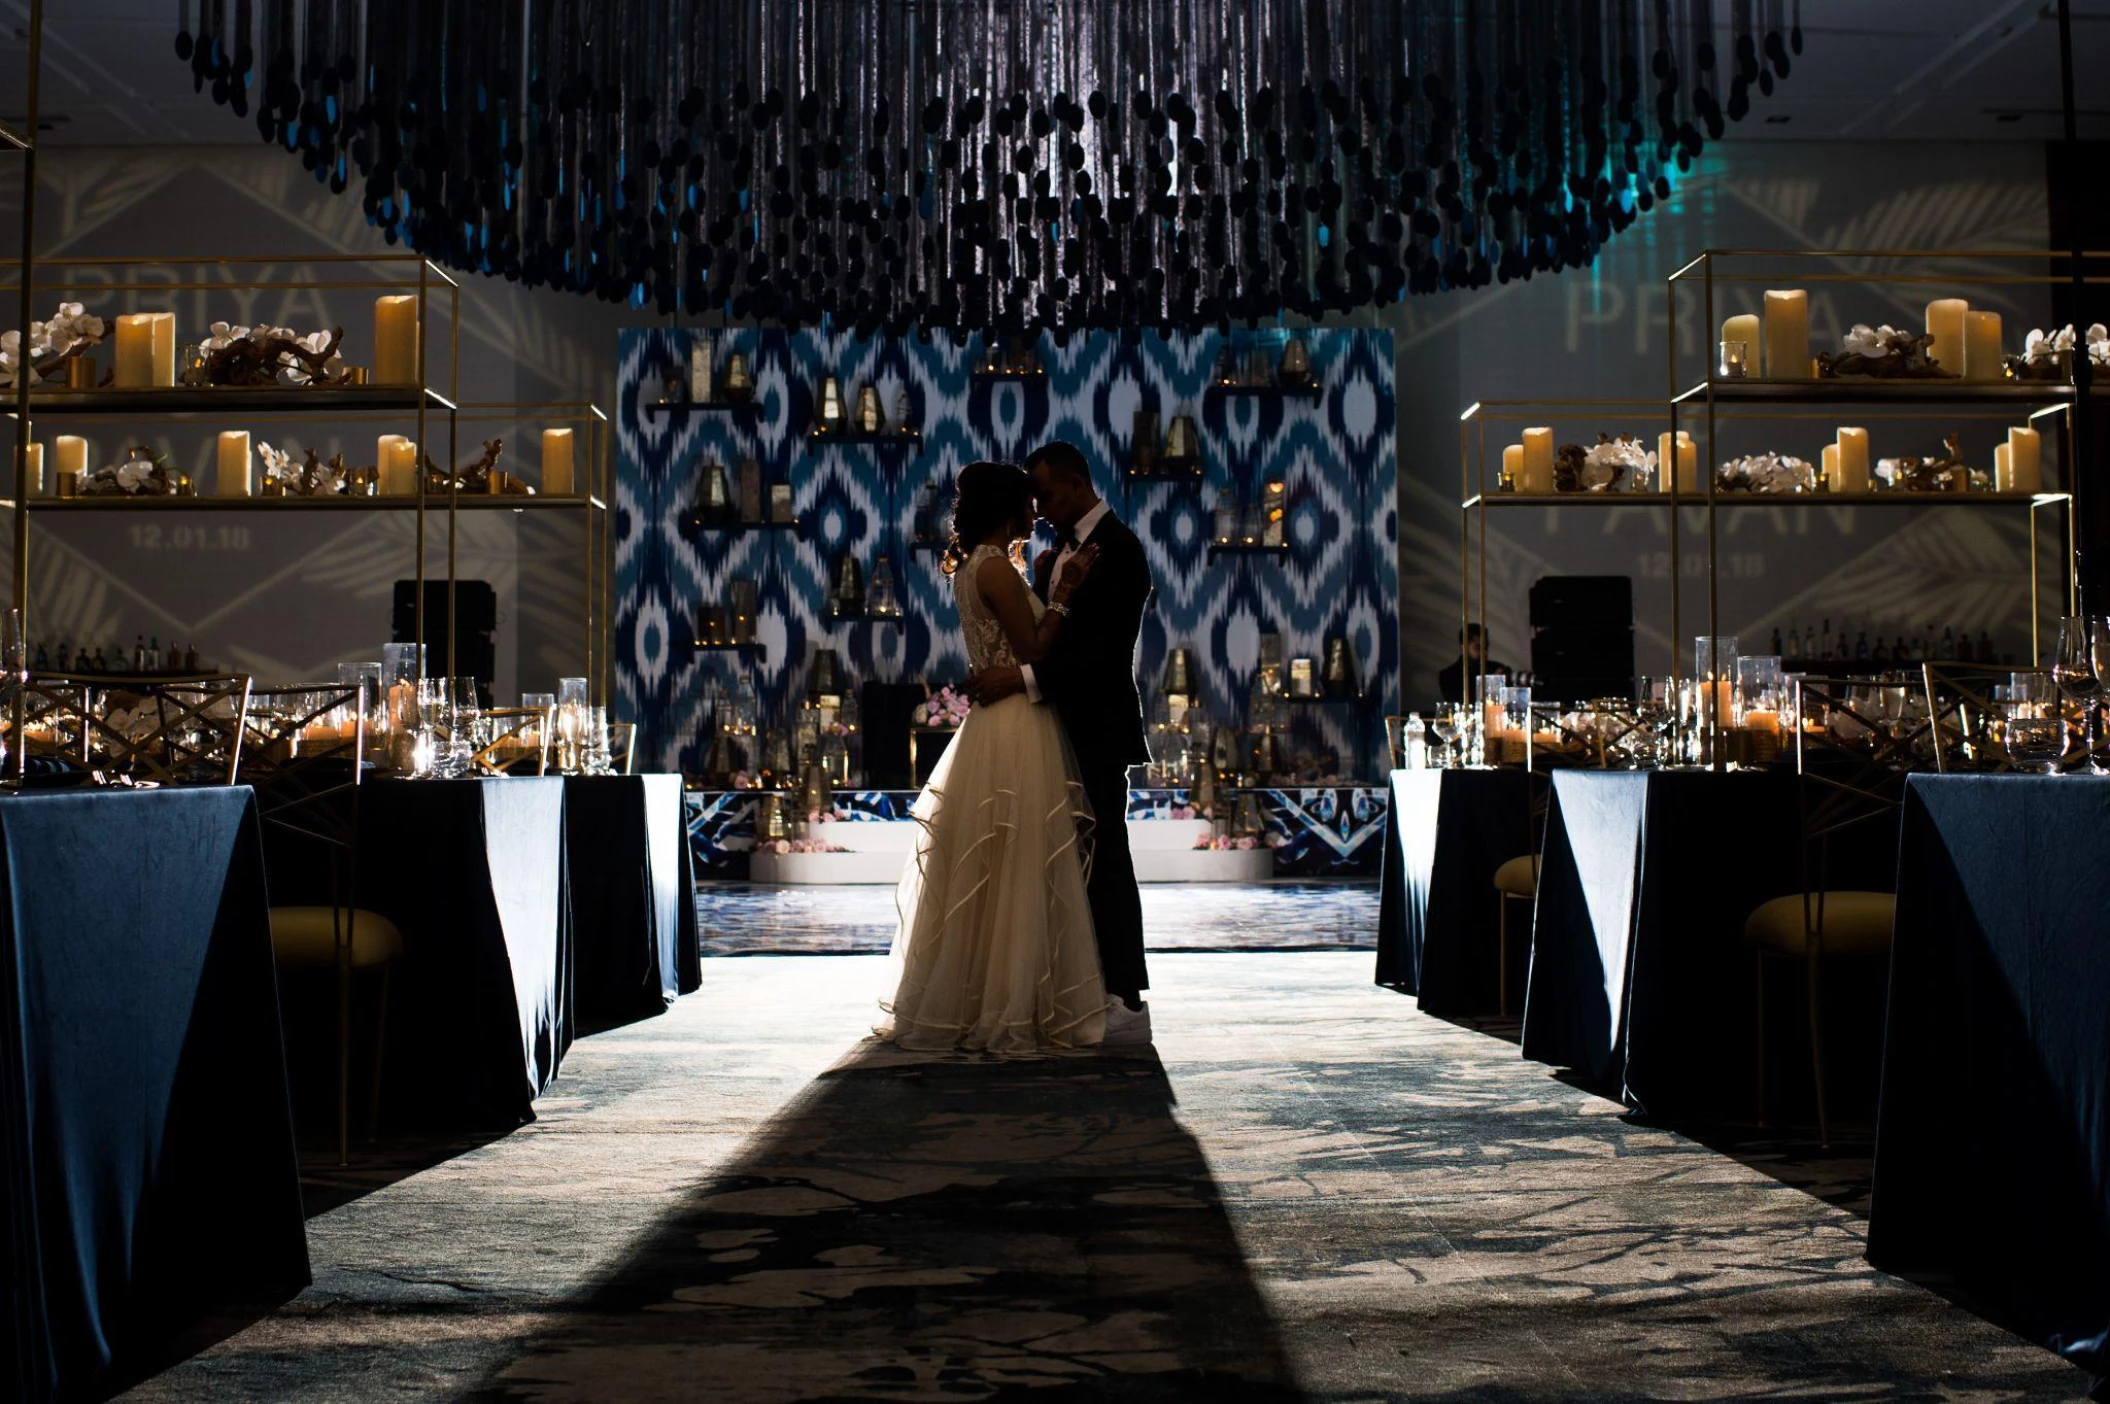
(1871, 70)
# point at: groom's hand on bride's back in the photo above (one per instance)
(995, 684)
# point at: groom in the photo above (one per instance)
(1089, 678)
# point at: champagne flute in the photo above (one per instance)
(2074, 668)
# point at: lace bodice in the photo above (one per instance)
(979, 627)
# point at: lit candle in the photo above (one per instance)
(135, 350)
(1685, 462)
(1513, 464)
(1724, 693)
(397, 464)
(2025, 449)
(1759, 719)
(2003, 469)
(164, 348)
(1981, 346)
(396, 340)
(1853, 461)
(234, 477)
(31, 481)
(1788, 335)
(1831, 467)
(556, 462)
(72, 455)
(1744, 329)
(1945, 325)
(1536, 474)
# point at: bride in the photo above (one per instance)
(995, 947)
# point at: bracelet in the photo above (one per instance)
(1059, 608)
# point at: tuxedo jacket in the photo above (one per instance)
(1089, 676)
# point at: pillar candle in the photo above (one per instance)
(1759, 719)
(234, 476)
(1536, 474)
(135, 350)
(396, 340)
(72, 455)
(1513, 464)
(557, 463)
(31, 480)
(2025, 449)
(1788, 335)
(2003, 469)
(164, 347)
(1745, 329)
(1831, 467)
(396, 464)
(1685, 463)
(1945, 325)
(1853, 460)
(1981, 346)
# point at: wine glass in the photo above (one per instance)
(1445, 729)
(2074, 668)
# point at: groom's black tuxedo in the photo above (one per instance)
(1089, 678)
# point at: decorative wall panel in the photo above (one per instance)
(1336, 452)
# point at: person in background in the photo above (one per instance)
(1454, 681)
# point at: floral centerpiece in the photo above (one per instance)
(1884, 353)
(315, 478)
(1766, 473)
(251, 356)
(1615, 463)
(143, 474)
(51, 344)
(2047, 355)
(945, 710)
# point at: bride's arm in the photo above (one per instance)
(1004, 591)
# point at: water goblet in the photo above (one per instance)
(2074, 667)
(2033, 727)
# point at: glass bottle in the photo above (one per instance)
(1777, 650)
(1985, 647)
(1861, 647)
(1948, 642)
(1794, 649)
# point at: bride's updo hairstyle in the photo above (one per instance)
(989, 498)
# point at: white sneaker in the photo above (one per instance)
(1126, 1027)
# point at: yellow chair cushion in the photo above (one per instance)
(1855, 923)
(308, 936)
(1519, 877)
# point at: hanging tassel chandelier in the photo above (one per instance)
(1007, 164)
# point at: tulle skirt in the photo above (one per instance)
(995, 949)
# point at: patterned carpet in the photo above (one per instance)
(739, 919)
(1308, 1191)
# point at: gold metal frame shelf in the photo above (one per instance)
(160, 401)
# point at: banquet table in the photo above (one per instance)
(1640, 976)
(632, 898)
(1439, 915)
(1993, 1138)
(480, 1013)
(146, 1132)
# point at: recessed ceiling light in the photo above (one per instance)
(1776, 119)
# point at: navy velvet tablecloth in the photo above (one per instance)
(633, 901)
(1640, 976)
(1439, 914)
(480, 1013)
(146, 1133)
(1993, 1136)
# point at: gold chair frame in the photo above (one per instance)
(162, 754)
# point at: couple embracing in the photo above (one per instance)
(1021, 928)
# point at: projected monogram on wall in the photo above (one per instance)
(1335, 451)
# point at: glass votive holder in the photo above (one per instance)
(1735, 360)
(1758, 693)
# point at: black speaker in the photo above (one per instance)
(1587, 601)
(885, 712)
(1574, 663)
(475, 622)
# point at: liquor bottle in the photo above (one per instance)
(1900, 651)
(1948, 642)
(42, 662)
(174, 658)
(1777, 653)
(1985, 647)
(1965, 653)
(1879, 655)
(101, 663)
(139, 655)
(82, 663)
(1794, 653)
(1822, 647)
(1861, 647)
(190, 659)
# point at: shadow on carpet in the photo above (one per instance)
(927, 1227)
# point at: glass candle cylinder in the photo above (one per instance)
(1758, 693)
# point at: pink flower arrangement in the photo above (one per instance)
(1184, 811)
(1226, 844)
(805, 845)
(946, 708)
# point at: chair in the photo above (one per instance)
(309, 750)
(518, 742)
(1518, 880)
(1872, 752)
(1964, 721)
(123, 730)
(622, 747)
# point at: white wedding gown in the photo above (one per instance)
(995, 948)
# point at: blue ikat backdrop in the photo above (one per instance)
(1336, 451)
